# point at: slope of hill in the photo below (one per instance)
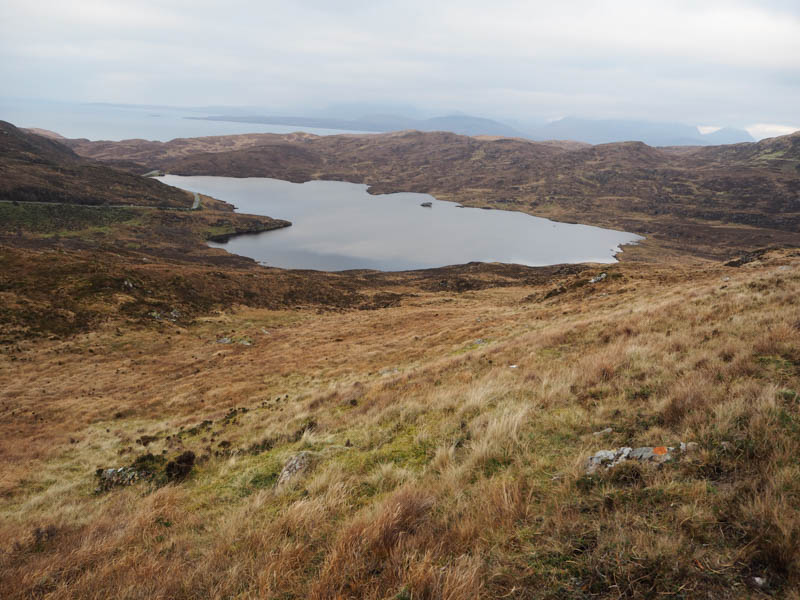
(436, 448)
(34, 168)
(706, 200)
(52, 198)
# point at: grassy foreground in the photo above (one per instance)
(446, 439)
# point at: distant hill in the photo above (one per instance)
(649, 132)
(685, 194)
(460, 124)
(727, 135)
(589, 131)
(45, 133)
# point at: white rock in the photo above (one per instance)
(605, 431)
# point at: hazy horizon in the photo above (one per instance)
(718, 64)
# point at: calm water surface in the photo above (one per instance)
(338, 226)
(122, 122)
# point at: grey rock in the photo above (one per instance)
(122, 476)
(607, 459)
(224, 340)
(294, 466)
(427, 204)
(599, 278)
(657, 454)
(611, 458)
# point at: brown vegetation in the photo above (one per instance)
(439, 471)
(443, 418)
(34, 168)
(706, 201)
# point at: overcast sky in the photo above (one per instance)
(711, 63)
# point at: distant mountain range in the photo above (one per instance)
(460, 124)
(649, 132)
(570, 128)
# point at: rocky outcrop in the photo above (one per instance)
(296, 465)
(645, 454)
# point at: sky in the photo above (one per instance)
(711, 63)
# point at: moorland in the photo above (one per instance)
(423, 434)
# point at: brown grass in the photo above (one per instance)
(438, 471)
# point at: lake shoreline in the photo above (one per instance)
(224, 238)
(342, 226)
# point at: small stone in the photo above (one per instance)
(512, 366)
(224, 340)
(605, 431)
(607, 458)
(611, 458)
(599, 278)
(759, 581)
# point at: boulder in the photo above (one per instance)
(294, 466)
(118, 477)
(648, 454)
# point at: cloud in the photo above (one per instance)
(765, 130)
(731, 62)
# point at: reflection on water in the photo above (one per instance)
(338, 226)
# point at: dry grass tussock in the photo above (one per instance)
(445, 438)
